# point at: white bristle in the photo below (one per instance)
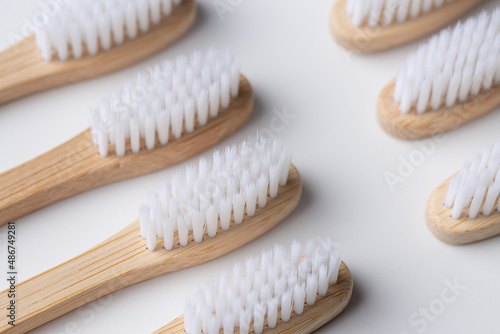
(258, 318)
(131, 19)
(182, 230)
(225, 90)
(214, 93)
(452, 66)
(478, 181)
(262, 186)
(299, 294)
(333, 266)
(228, 323)
(153, 107)
(198, 226)
(200, 200)
(211, 221)
(238, 207)
(168, 234)
(286, 306)
(88, 24)
(245, 319)
(311, 288)
(251, 199)
(323, 280)
(202, 106)
(117, 24)
(102, 142)
(150, 233)
(249, 298)
(384, 12)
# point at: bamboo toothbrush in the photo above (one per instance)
(83, 39)
(262, 299)
(190, 104)
(374, 25)
(452, 79)
(465, 208)
(235, 198)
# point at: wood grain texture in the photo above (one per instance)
(413, 125)
(123, 260)
(76, 165)
(458, 231)
(365, 39)
(23, 72)
(324, 310)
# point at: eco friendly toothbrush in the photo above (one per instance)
(452, 79)
(374, 25)
(464, 208)
(283, 295)
(202, 213)
(165, 116)
(83, 39)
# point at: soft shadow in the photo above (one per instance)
(258, 112)
(199, 22)
(307, 196)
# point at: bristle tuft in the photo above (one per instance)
(165, 101)
(249, 298)
(201, 200)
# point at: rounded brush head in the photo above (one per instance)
(450, 80)
(452, 66)
(273, 289)
(465, 207)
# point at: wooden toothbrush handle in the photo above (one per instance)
(57, 174)
(23, 71)
(112, 265)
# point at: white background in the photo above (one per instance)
(292, 62)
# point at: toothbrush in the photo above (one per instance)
(450, 80)
(464, 208)
(375, 25)
(175, 111)
(284, 295)
(83, 39)
(200, 214)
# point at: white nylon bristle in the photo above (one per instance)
(477, 184)
(164, 101)
(201, 199)
(374, 13)
(453, 66)
(255, 301)
(76, 25)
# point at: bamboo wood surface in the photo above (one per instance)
(24, 72)
(462, 230)
(76, 165)
(123, 260)
(413, 125)
(365, 39)
(324, 310)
